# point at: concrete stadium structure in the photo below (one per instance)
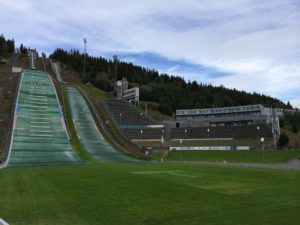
(227, 116)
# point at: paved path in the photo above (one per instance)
(291, 165)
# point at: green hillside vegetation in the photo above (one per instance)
(291, 121)
(170, 92)
(290, 127)
(7, 47)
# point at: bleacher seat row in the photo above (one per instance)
(126, 115)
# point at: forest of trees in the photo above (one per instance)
(7, 47)
(171, 92)
(292, 121)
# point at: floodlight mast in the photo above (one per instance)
(115, 57)
(84, 62)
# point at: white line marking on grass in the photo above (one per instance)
(33, 115)
(2, 222)
(41, 135)
(42, 131)
(19, 128)
(38, 118)
(37, 97)
(39, 126)
(35, 122)
(37, 110)
(38, 93)
(180, 173)
(40, 103)
(39, 107)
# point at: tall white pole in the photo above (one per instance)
(84, 62)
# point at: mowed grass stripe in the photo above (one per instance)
(149, 194)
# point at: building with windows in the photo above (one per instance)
(229, 116)
(122, 92)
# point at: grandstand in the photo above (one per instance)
(246, 118)
(132, 123)
(221, 132)
(39, 132)
(150, 134)
(137, 127)
(125, 114)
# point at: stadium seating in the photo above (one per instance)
(133, 126)
(131, 123)
(126, 114)
(146, 133)
(237, 132)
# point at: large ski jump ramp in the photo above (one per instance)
(39, 133)
(87, 131)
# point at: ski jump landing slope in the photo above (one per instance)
(39, 133)
(87, 131)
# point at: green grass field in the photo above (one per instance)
(253, 156)
(152, 194)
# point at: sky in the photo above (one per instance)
(250, 45)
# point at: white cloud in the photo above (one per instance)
(295, 102)
(258, 42)
(261, 76)
(16, 5)
(173, 69)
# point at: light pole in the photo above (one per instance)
(115, 67)
(208, 132)
(162, 143)
(258, 128)
(141, 134)
(84, 62)
(262, 147)
(185, 131)
(162, 138)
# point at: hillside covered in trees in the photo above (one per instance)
(171, 92)
(7, 47)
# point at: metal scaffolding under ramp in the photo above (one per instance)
(39, 134)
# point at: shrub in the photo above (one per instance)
(283, 140)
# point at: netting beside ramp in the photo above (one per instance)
(87, 130)
(39, 135)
